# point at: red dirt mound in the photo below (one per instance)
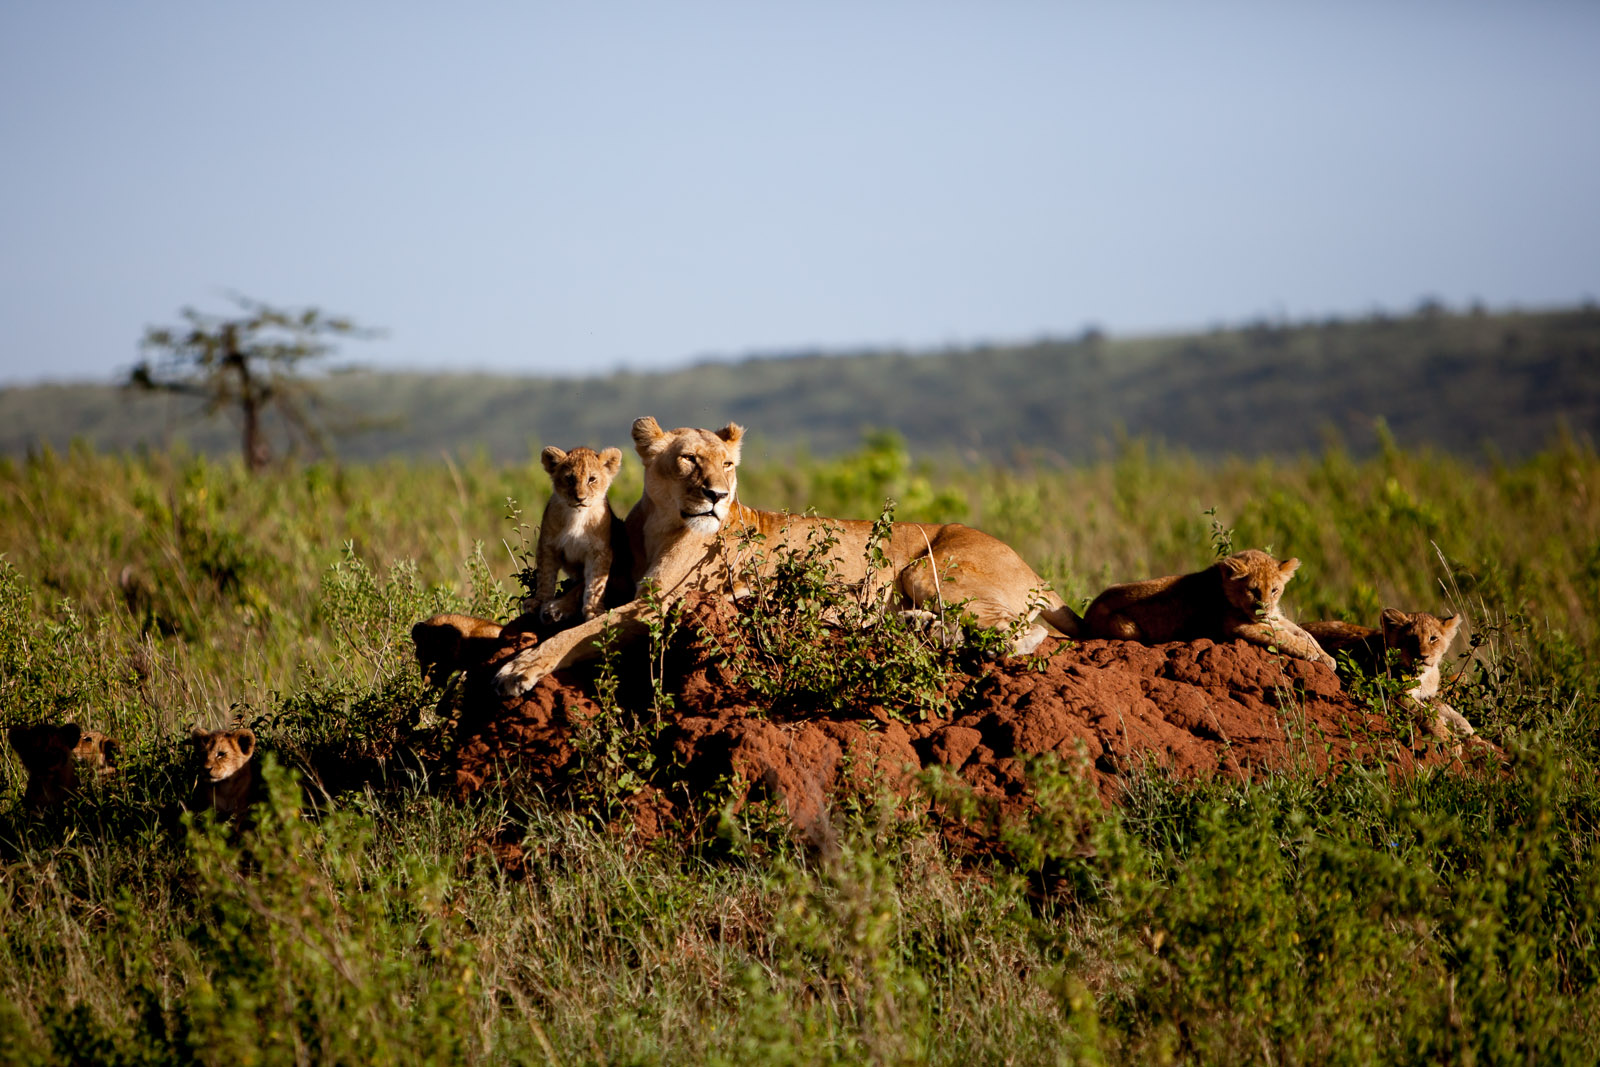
(1193, 708)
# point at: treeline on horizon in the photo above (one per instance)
(1471, 383)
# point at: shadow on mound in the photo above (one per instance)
(1193, 709)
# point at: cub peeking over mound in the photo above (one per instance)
(581, 535)
(227, 771)
(53, 753)
(448, 643)
(1419, 641)
(1237, 597)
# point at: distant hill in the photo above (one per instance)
(1458, 382)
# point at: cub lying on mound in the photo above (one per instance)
(581, 535)
(1237, 597)
(227, 771)
(449, 643)
(689, 532)
(54, 753)
(1420, 641)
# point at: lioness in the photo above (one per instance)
(227, 771)
(1236, 597)
(54, 753)
(580, 534)
(1420, 641)
(689, 532)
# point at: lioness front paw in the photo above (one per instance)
(552, 612)
(517, 677)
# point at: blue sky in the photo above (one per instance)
(577, 187)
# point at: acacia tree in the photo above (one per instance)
(251, 362)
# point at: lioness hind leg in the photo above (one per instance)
(1029, 639)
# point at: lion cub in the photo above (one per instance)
(53, 754)
(581, 535)
(448, 643)
(1237, 597)
(1419, 641)
(227, 771)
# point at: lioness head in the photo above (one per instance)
(690, 473)
(1254, 581)
(583, 475)
(1420, 638)
(223, 753)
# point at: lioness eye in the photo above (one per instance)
(727, 464)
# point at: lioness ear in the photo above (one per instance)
(732, 434)
(1288, 567)
(246, 740)
(1392, 617)
(647, 437)
(551, 457)
(611, 459)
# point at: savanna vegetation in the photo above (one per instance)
(1451, 915)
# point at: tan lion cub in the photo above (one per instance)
(448, 643)
(53, 754)
(227, 771)
(581, 535)
(1237, 597)
(1419, 641)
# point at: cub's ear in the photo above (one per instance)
(23, 741)
(197, 736)
(551, 457)
(1451, 625)
(1393, 617)
(647, 437)
(611, 459)
(1288, 567)
(69, 734)
(1233, 566)
(110, 750)
(246, 740)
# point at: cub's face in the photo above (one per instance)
(1420, 638)
(582, 476)
(690, 473)
(51, 747)
(223, 753)
(1253, 581)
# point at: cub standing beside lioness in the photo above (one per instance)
(581, 535)
(1237, 597)
(688, 533)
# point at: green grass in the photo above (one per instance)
(1370, 918)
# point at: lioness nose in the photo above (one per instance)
(713, 495)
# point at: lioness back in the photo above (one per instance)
(1237, 597)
